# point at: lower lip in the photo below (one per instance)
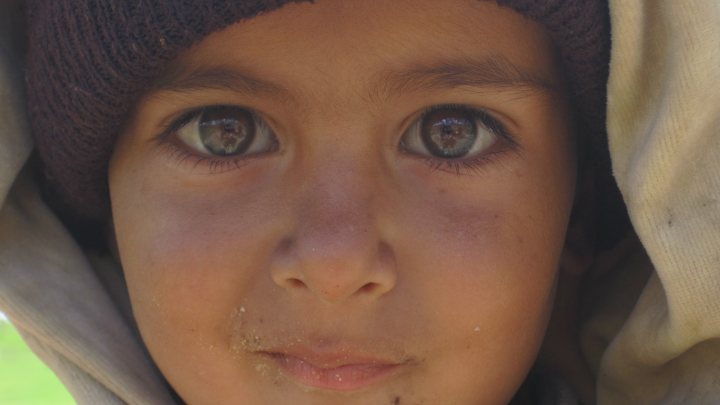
(344, 378)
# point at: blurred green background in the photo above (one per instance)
(25, 380)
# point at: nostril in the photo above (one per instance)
(296, 283)
(368, 288)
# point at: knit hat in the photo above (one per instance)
(89, 61)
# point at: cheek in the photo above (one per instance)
(489, 264)
(189, 260)
(191, 247)
(483, 261)
(188, 255)
(507, 225)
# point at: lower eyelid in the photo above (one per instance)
(188, 148)
(483, 118)
(471, 166)
(179, 157)
(503, 145)
(183, 160)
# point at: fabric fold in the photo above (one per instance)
(664, 136)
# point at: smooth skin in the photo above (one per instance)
(338, 233)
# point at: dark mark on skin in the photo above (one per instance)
(396, 401)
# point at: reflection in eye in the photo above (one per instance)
(452, 132)
(225, 131)
(451, 137)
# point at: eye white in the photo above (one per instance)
(412, 139)
(262, 137)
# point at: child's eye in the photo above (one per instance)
(452, 132)
(225, 131)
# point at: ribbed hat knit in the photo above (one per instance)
(89, 62)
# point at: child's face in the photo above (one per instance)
(322, 238)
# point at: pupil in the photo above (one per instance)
(449, 133)
(226, 131)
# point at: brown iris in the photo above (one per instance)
(448, 132)
(226, 131)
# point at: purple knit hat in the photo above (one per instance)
(89, 61)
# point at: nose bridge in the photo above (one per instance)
(337, 237)
(339, 199)
(338, 202)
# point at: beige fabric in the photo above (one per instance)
(47, 286)
(664, 128)
(664, 119)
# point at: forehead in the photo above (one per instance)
(371, 48)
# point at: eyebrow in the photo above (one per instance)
(181, 78)
(493, 71)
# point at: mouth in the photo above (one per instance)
(341, 370)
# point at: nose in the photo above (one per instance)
(336, 250)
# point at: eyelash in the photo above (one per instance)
(181, 154)
(474, 164)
